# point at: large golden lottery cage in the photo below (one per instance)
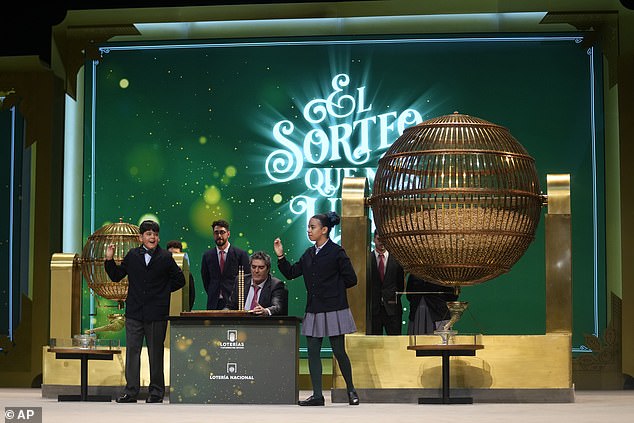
(456, 199)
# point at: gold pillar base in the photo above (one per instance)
(506, 362)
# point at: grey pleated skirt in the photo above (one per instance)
(331, 323)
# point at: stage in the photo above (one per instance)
(589, 406)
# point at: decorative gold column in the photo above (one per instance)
(355, 239)
(179, 300)
(65, 320)
(558, 255)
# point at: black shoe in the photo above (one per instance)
(311, 400)
(353, 398)
(125, 398)
(154, 398)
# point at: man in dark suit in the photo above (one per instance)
(264, 295)
(220, 267)
(152, 277)
(386, 279)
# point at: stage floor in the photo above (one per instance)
(589, 406)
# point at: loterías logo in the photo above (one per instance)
(232, 342)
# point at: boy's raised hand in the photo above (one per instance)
(110, 251)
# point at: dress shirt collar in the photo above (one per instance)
(386, 254)
(318, 249)
(226, 249)
(260, 285)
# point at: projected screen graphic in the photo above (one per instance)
(262, 133)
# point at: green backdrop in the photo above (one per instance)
(262, 132)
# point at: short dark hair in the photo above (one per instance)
(174, 244)
(148, 225)
(261, 255)
(220, 222)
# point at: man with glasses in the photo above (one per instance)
(220, 267)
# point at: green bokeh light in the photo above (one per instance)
(212, 195)
(203, 213)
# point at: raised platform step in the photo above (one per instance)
(411, 395)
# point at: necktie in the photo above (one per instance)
(147, 255)
(254, 300)
(222, 260)
(381, 266)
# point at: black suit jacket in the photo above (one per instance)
(213, 281)
(384, 293)
(273, 295)
(192, 292)
(149, 287)
(326, 276)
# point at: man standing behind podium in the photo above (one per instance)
(264, 295)
(152, 277)
(220, 267)
(387, 277)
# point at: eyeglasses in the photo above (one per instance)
(220, 232)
